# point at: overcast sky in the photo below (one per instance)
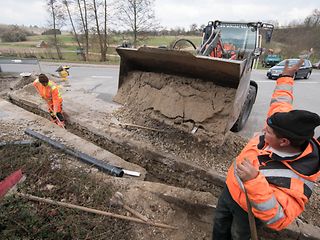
(180, 13)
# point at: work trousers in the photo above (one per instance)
(231, 221)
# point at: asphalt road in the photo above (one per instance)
(306, 93)
(103, 79)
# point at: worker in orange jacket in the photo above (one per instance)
(49, 91)
(277, 168)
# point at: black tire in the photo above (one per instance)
(246, 110)
(307, 76)
(184, 40)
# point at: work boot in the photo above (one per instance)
(60, 120)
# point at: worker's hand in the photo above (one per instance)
(290, 71)
(246, 171)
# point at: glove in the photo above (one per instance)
(290, 71)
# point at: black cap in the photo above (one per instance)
(296, 124)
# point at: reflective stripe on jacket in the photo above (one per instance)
(280, 191)
(50, 93)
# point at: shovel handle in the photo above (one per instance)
(91, 210)
(252, 221)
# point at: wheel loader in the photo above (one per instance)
(206, 91)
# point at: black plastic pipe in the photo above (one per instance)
(102, 166)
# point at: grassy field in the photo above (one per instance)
(69, 46)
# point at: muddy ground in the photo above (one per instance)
(56, 175)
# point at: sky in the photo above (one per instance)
(180, 13)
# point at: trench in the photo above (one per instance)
(161, 167)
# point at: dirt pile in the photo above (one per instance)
(6, 81)
(181, 102)
(13, 82)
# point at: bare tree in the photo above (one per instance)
(58, 18)
(84, 21)
(101, 37)
(137, 15)
(66, 3)
(193, 29)
(314, 19)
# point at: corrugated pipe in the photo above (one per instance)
(102, 166)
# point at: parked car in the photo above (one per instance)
(303, 72)
(316, 65)
(271, 60)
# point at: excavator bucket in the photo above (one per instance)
(197, 94)
(221, 72)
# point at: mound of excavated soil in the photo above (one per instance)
(181, 102)
(13, 82)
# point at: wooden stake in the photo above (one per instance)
(91, 210)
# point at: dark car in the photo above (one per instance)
(303, 72)
(316, 65)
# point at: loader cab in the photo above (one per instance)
(236, 41)
(242, 36)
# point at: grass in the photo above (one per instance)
(23, 219)
(62, 38)
(169, 40)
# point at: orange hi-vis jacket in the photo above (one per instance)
(283, 186)
(51, 94)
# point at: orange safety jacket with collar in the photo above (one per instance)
(284, 184)
(50, 93)
(217, 51)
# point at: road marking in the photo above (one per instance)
(306, 82)
(101, 76)
(296, 82)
